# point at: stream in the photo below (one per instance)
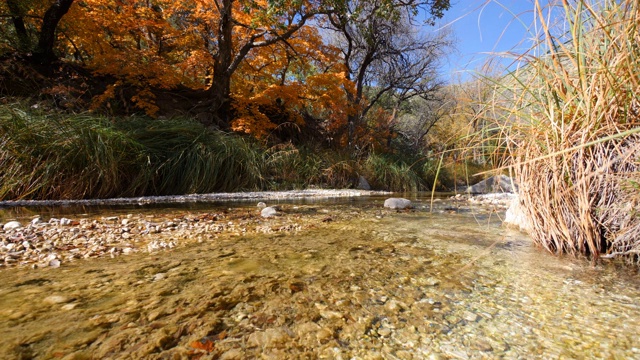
(338, 279)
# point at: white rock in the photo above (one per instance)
(306, 328)
(68, 307)
(11, 225)
(262, 205)
(65, 221)
(515, 216)
(51, 257)
(55, 263)
(268, 338)
(469, 316)
(384, 331)
(269, 212)
(330, 314)
(397, 203)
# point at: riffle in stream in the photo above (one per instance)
(349, 281)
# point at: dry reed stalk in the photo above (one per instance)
(572, 115)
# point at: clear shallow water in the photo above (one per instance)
(380, 284)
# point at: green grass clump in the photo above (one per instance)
(290, 167)
(187, 158)
(62, 157)
(55, 156)
(51, 155)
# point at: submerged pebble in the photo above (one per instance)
(56, 299)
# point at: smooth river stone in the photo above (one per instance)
(56, 299)
(269, 212)
(11, 225)
(397, 203)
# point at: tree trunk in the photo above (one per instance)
(44, 50)
(221, 83)
(18, 23)
(221, 100)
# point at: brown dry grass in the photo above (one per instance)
(570, 120)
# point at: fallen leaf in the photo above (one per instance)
(296, 287)
(203, 344)
(207, 343)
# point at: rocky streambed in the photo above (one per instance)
(336, 281)
(54, 241)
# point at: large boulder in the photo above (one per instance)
(363, 184)
(494, 184)
(397, 203)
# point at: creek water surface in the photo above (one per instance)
(350, 280)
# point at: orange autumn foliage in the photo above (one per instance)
(302, 77)
(161, 44)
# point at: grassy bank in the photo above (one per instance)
(48, 155)
(569, 119)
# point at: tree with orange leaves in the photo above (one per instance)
(262, 63)
(232, 29)
(289, 84)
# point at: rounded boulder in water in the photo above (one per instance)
(397, 203)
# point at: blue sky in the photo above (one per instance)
(484, 28)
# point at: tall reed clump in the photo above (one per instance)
(56, 156)
(570, 119)
(50, 155)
